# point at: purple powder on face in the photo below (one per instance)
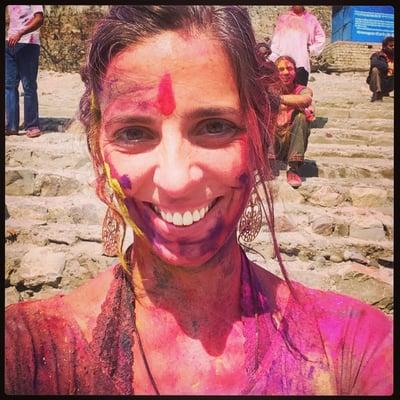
(125, 182)
(244, 179)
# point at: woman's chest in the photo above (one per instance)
(184, 366)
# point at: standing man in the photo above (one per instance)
(22, 64)
(298, 34)
(381, 72)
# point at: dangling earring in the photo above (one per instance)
(111, 234)
(251, 220)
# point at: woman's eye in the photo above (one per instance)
(217, 127)
(133, 135)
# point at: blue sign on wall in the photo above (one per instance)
(363, 23)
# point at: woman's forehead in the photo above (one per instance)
(191, 61)
(285, 63)
(174, 50)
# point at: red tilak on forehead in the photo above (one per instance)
(165, 97)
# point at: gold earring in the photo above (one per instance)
(251, 220)
(111, 235)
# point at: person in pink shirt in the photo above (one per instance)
(177, 128)
(298, 34)
(22, 63)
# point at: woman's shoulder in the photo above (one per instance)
(81, 305)
(326, 306)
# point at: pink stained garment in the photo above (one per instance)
(331, 345)
(20, 16)
(296, 36)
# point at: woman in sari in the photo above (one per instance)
(177, 127)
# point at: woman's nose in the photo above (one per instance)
(177, 169)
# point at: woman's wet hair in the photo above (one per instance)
(126, 26)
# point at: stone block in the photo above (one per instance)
(323, 225)
(341, 229)
(367, 228)
(355, 256)
(20, 183)
(327, 196)
(11, 296)
(368, 197)
(287, 194)
(40, 266)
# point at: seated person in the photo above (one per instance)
(381, 72)
(293, 121)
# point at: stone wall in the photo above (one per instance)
(64, 36)
(67, 28)
(344, 56)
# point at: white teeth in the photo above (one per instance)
(188, 217)
(177, 219)
(196, 216)
(168, 217)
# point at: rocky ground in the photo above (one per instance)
(335, 231)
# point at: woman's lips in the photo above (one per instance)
(185, 218)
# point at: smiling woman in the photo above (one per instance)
(178, 120)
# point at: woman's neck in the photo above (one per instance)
(203, 300)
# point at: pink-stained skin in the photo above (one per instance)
(165, 97)
(287, 72)
(174, 167)
(186, 150)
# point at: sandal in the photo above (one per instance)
(33, 132)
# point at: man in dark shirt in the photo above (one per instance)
(381, 72)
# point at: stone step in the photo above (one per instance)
(324, 192)
(344, 136)
(36, 182)
(50, 158)
(366, 124)
(306, 245)
(344, 167)
(380, 113)
(84, 207)
(78, 208)
(316, 150)
(316, 218)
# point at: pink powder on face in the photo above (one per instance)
(165, 98)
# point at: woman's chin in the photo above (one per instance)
(179, 256)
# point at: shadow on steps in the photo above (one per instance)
(309, 169)
(319, 122)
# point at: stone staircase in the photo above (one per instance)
(335, 231)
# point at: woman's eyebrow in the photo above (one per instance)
(129, 119)
(209, 112)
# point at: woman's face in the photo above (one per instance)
(174, 138)
(287, 72)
